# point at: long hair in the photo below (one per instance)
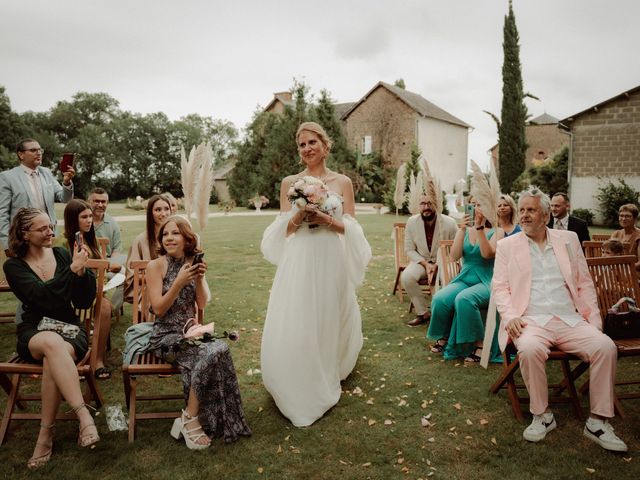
(512, 204)
(72, 224)
(190, 238)
(22, 222)
(151, 225)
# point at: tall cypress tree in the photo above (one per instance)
(511, 134)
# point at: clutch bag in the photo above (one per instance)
(64, 329)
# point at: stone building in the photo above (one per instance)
(389, 120)
(543, 137)
(604, 145)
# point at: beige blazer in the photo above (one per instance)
(415, 240)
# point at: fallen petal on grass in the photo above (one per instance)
(457, 406)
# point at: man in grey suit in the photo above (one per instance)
(31, 185)
(421, 243)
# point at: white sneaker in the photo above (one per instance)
(601, 432)
(540, 426)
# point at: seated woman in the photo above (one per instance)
(629, 233)
(176, 289)
(507, 217)
(456, 322)
(78, 217)
(145, 246)
(50, 283)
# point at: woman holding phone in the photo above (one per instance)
(177, 287)
(51, 282)
(456, 324)
(145, 246)
(78, 230)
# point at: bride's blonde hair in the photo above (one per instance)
(318, 130)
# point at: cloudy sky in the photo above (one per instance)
(225, 58)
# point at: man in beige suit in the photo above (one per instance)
(421, 243)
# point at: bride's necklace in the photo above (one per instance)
(323, 178)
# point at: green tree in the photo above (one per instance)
(511, 131)
(551, 176)
(611, 197)
(12, 130)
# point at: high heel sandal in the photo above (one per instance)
(439, 346)
(473, 357)
(42, 460)
(191, 437)
(87, 439)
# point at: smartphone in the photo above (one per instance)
(470, 209)
(78, 240)
(197, 258)
(66, 162)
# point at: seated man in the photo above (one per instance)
(421, 243)
(545, 296)
(106, 226)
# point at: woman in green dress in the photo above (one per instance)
(50, 283)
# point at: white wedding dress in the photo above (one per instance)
(313, 332)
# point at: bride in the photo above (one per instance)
(313, 332)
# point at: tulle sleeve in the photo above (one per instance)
(274, 238)
(357, 249)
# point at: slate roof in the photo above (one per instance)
(419, 104)
(544, 119)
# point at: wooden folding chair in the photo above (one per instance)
(600, 237)
(146, 364)
(614, 278)
(592, 248)
(13, 370)
(448, 268)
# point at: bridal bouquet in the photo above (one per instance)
(306, 190)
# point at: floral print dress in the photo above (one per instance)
(207, 367)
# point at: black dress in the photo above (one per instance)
(206, 367)
(56, 298)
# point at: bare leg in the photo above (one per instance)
(59, 358)
(105, 328)
(193, 407)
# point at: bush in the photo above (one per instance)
(584, 214)
(611, 197)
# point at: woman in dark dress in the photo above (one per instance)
(176, 288)
(50, 283)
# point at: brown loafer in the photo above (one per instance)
(419, 320)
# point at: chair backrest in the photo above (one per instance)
(614, 278)
(141, 310)
(600, 237)
(449, 268)
(401, 258)
(88, 315)
(103, 242)
(592, 248)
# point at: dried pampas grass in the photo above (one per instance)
(483, 194)
(204, 186)
(399, 196)
(190, 170)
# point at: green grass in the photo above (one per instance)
(395, 372)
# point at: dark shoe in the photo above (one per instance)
(439, 346)
(419, 320)
(103, 373)
(473, 357)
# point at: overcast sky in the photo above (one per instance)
(224, 58)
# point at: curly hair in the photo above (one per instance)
(21, 223)
(190, 238)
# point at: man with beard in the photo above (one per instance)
(107, 227)
(421, 243)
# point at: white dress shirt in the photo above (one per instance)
(561, 223)
(37, 197)
(550, 296)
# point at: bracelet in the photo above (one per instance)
(294, 223)
(330, 223)
(481, 227)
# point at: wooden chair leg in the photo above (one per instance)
(617, 406)
(93, 391)
(507, 371)
(132, 410)
(127, 387)
(8, 411)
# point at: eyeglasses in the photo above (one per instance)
(44, 229)
(33, 150)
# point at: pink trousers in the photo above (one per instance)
(583, 340)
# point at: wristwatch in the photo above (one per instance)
(481, 227)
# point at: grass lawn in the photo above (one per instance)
(375, 430)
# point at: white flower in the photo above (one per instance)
(300, 203)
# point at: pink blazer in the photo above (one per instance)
(511, 284)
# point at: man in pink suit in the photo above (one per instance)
(545, 296)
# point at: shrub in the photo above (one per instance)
(611, 197)
(583, 213)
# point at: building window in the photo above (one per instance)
(366, 144)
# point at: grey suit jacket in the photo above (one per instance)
(415, 240)
(15, 193)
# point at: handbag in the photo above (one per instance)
(64, 329)
(622, 325)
